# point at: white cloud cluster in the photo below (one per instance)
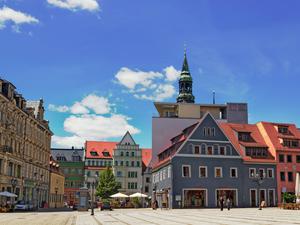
(75, 5)
(154, 86)
(16, 17)
(92, 119)
(92, 102)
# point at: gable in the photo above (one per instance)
(205, 129)
(208, 134)
(127, 140)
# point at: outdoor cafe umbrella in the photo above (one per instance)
(119, 195)
(139, 195)
(8, 194)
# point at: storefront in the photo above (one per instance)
(230, 194)
(194, 198)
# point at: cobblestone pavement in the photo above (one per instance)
(147, 216)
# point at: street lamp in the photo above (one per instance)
(92, 197)
(56, 189)
(13, 182)
(259, 179)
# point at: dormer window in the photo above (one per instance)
(244, 136)
(106, 154)
(283, 130)
(290, 143)
(94, 153)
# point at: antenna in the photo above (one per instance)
(214, 97)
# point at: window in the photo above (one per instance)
(127, 163)
(290, 143)
(196, 150)
(116, 163)
(121, 163)
(93, 153)
(132, 154)
(244, 136)
(281, 158)
(122, 153)
(186, 171)
(209, 150)
(106, 154)
(289, 158)
(204, 131)
(132, 163)
(138, 164)
(270, 173)
(202, 171)
(282, 176)
(297, 159)
(233, 173)
(169, 171)
(213, 131)
(147, 179)
(222, 150)
(261, 172)
(218, 172)
(1, 160)
(252, 172)
(290, 176)
(127, 153)
(146, 189)
(283, 130)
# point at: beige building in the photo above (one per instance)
(57, 185)
(24, 146)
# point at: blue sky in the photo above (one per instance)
(126, 54)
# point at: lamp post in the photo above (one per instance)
(259, 179)
(92, 197)
(13, 182)
(56, 189)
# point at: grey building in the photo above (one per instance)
(203, 163)
(172, 118)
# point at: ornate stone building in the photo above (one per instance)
(25, 140)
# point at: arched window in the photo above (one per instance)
(127, 153)
(132, 154)
(122, 153)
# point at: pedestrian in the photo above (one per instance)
(221, 203)
(228, 202)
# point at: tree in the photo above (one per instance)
(107, 184)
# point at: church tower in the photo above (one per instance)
(185, 84)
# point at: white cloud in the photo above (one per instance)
(97, 104)
(75, 5)
(16, 17)
(92, 119)
(78, 108)
(54, 108)
(153, 86)
(171, 73)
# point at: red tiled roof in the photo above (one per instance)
(106, 146)
(274, 135)
(99, 147)
(162, 162)
(146, 156)
(230, 130)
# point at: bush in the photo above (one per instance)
(289, 198)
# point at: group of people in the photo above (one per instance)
(223, 202)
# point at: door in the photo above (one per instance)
(271, 199)
(262, 196)
(253, 198)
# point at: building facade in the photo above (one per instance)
(127, 165)
(25, 140)
(129, 162)
(203, 163)
(71, 163)
(172, 118)
(57, 185)
(284, 142)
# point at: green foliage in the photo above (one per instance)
(289, 198)
(136, 202)
(107, 184)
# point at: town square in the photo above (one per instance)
(149, 112)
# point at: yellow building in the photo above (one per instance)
(57, 186)
(25, 140)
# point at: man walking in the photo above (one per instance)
(228, 202)
(221, 203)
